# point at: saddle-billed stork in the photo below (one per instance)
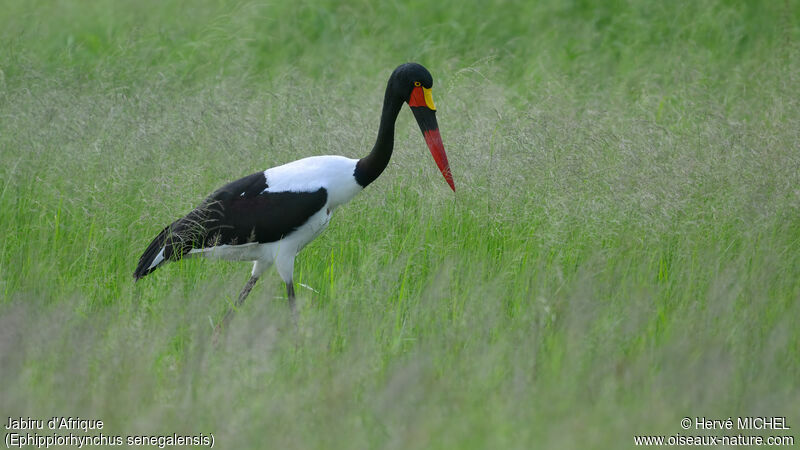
(269, 216)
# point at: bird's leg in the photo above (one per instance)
(246, 290)
(290, 294)
(292, 304)
(239, 302)
(285, 266)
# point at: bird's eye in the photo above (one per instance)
(417, 83)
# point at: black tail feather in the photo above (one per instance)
(149, 255)
(176, 240)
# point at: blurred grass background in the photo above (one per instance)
(622, 250)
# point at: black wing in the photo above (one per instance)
(237, 213)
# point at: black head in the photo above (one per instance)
(411, 83)
(408, 76)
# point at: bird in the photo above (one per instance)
(270, 216)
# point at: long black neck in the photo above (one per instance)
(371, 166)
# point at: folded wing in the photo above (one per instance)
(240, 212)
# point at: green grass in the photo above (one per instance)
(623, 249)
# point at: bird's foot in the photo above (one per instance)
(221, 326)
(215, 337)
